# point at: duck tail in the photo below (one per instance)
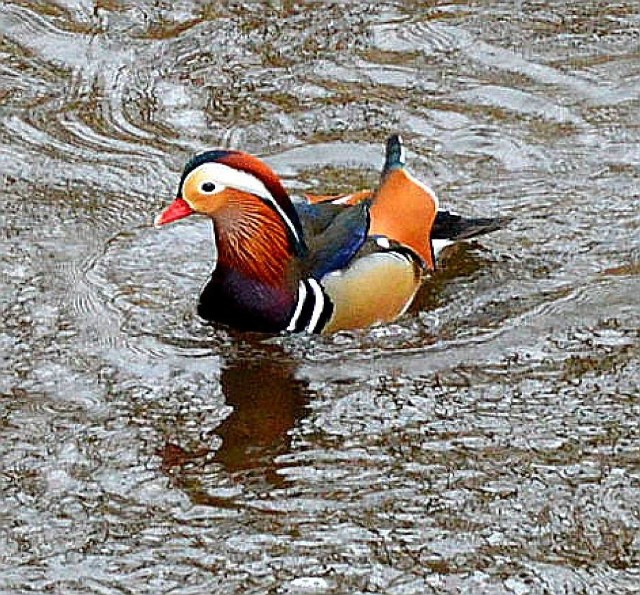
(403, 208)
(395, 154)
(449, 226)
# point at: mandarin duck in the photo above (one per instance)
(318, 265)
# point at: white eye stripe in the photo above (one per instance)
(225, 176)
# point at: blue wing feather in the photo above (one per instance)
(335, 235)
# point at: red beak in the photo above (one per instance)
(178, 209)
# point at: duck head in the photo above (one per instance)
(256, 226)
(219, 183)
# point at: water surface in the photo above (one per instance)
(485, 443)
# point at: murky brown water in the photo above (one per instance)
(486, 443)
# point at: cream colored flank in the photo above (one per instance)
(376, 288)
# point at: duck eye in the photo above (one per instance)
(208, 187)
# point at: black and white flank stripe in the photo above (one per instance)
(313, 308)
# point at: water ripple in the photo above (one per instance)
(485, 442)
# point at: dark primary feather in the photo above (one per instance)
(449, 226)
(316, 217)
(334, 235)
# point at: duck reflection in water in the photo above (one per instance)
(267, 402)
(259, 383)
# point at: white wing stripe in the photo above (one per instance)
(318, 306)
(302, 296)
(439, 246)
